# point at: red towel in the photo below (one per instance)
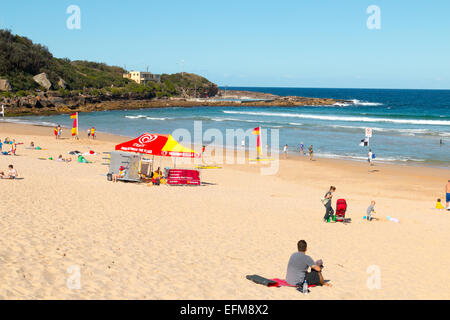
(283, 283)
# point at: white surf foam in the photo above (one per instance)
(144, 117)
(342, 118)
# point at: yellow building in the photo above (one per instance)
(142, 77)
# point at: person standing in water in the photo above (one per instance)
(301, 148)
(311, 151)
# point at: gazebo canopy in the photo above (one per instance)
(157, 145)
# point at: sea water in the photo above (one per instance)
(407, 125)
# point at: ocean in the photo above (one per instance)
(407, 125)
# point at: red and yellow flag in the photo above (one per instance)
(257, 131)
(74, 116)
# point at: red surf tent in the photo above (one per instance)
(157, 145)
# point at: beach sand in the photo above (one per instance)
(131, 241)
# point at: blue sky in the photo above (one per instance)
(300, 43)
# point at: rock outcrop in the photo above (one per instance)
(61, 83)
(5, 85)
(52, 102)
(42, 80)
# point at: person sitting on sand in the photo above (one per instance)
(60, 158)
(369, 211)
(439, 204)
(297, 270)
(12, 173)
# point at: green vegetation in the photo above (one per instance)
(21, 59)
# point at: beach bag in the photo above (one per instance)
(261, 280)
(325, 201)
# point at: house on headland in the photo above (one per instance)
(142, 77)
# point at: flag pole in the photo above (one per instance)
(260, 142)
(77, 125)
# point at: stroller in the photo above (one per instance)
(341, 208)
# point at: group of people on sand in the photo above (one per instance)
(329, 211)
(91, 132)
(302, 152)
(13, 145)
(57, 131)
(299, 263)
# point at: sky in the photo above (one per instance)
(284, 43)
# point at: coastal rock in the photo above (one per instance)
(42, 80)
(53, 102)
(5, 85)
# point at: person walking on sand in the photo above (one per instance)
(285, 150)
(298, 265)
(369, 157)
(59, 132)
(327, 202)
(370, 210)
(447, 195)
(89, 133)
(310, 149)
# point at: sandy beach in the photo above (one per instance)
(132, 241)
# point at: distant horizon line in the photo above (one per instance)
(349, 88)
